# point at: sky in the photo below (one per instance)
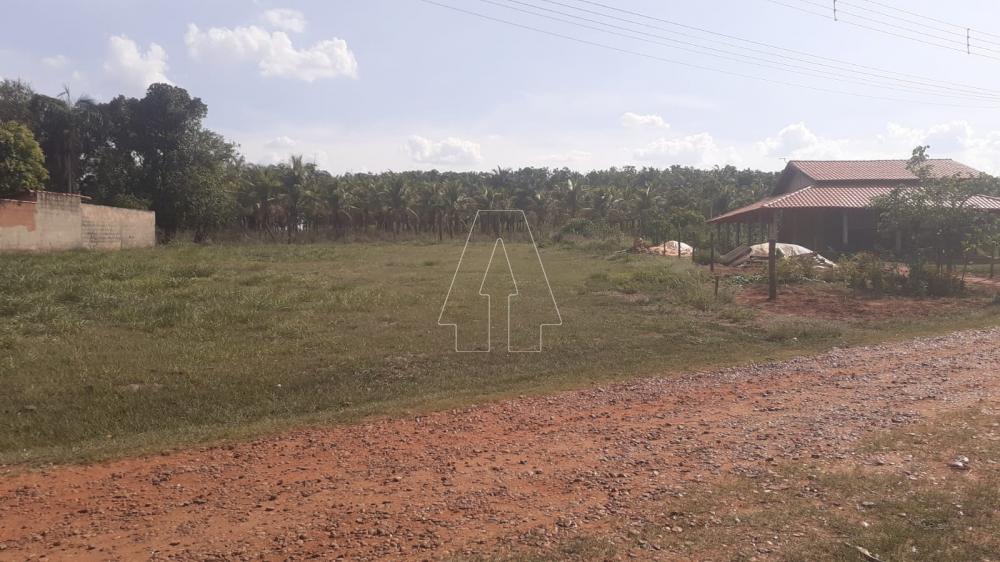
(372, 85)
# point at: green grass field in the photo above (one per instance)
(103, 354)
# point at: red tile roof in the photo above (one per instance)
(877, 170)
(832, 197)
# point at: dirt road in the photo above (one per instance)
(525, 471)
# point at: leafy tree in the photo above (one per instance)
(15, 101)
(935, 221)
(22, 165)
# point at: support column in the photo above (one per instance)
(844, 239)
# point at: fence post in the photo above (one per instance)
(772, 261)
(993, 259)
(711, 243)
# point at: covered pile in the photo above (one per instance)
(743, 255)
(669, 248)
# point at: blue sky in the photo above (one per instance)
(401, 84)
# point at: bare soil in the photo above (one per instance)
(524, 471)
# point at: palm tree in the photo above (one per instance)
(68, 129)
(259, 196)
(298, 185)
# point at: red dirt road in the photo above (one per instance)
(525, 471)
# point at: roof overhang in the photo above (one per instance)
(812, 197)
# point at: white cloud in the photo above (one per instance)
(287, 20)
(132, 67)
(953, 139)
(281, 142)
(273, 52)
(629, 119)
(566, 158)
(699, 149)
(797, 141)
(57, 61)
(450, 151)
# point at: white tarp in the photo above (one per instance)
(669, 248)
(787, 251)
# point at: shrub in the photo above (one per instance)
(866, 272)
(796, 269)
(925, 280)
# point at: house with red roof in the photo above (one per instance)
(825, 205)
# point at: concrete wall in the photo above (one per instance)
(111, 228)
(50, 222)
(57, 221)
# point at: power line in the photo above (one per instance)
(963, 49)
(963, 38)
(955, 30)
(688, 64)
(891, 7)
(739, 57)
(762, 44)
(841, 12)
(971, 91)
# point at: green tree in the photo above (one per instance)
(67, 129)
(22, 164)
(15, 101)
(935, 221)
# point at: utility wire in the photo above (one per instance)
(891, 7)
(688, 64)
(841, 12)
(739, 57)
(954, 29)
(759, 43)
(884, 31)
(966, 91)
(964, 37)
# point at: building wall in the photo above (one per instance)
(822, 230)
(57, 221)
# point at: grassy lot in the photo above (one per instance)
(103, 354)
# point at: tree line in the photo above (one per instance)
(155, 153)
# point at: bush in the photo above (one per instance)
(796, 269)
(22, 165)
(702, 256)
(927, 281)
(866, 272)
(588, 228)
(677, 283)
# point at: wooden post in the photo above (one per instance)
(772, 260)
(993, 261)
(711, 243)
(716, 287)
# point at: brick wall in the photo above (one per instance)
(57, 221)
